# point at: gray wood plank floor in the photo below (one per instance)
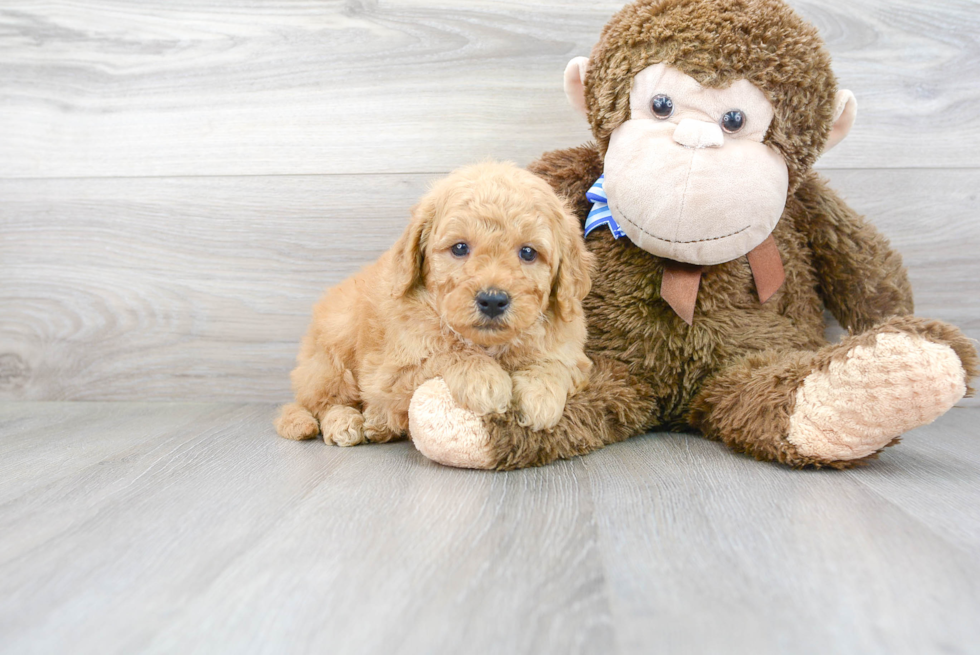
(161, 528)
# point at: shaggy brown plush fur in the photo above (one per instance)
(733, 373)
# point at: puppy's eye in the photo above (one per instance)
(662, 106)
(460, 250)
(733, 121)
(528, 254)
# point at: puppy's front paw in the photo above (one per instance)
(540, 400)
(343, 426)
(483, 391)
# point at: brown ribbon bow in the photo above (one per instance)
(681, 281)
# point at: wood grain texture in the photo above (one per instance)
(168, 288)
(221, 536)
(200, 289)
(709, 552)
(30, 458)
(164, 528)
(171, 88)
(929, 467)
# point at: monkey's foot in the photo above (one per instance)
(445, 432)
(860, 403)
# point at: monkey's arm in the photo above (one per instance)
(862, 280)
(613, 407)
(571, 173)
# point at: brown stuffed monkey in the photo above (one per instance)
(717, 250)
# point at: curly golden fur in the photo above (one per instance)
(413, 315)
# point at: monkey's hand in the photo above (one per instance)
(447, 433)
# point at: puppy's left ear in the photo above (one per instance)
(572, 281)
(409, 250)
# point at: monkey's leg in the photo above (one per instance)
(613, 407)
(843, 403)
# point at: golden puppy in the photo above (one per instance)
(484, 289)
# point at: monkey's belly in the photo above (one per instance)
(628, 321)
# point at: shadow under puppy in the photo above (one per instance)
(484, 289)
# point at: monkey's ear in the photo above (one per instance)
(575, 83)
(845, 111)
(409, 251)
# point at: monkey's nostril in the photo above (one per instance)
(492, 303)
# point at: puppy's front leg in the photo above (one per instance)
(479, 384)
(540, 392)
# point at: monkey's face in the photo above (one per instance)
(688, 177)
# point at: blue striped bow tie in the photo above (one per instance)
(600, 214)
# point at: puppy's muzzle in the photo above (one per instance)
(492, 302)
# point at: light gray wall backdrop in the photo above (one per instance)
(179, 180)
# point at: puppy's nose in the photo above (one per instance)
(492, 303)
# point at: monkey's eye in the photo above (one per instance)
(662, 106)
(460, 250)
(528, 254)
(733, 121)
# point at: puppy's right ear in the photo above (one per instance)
(409, 251)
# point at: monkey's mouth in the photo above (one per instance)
(658, 238)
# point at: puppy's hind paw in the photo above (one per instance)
(343, 426)
(296, 423)
(445, 432)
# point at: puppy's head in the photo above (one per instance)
(496, 252)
